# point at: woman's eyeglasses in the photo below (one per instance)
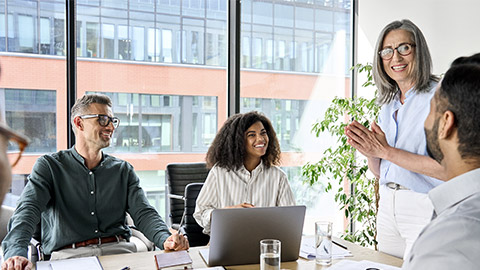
(103, 119)
(403, 49)
(16, 143)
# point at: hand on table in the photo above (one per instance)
(242, 205)
(17, 263)
(176, 242)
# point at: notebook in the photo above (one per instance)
(236, 233)
(72, 264)
(173, 258)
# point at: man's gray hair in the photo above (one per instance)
(82, 104)
(422, 67)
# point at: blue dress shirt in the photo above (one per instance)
(452, 239)
(407, 132)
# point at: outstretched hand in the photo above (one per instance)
(371, 143)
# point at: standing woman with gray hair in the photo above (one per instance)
(396, 146)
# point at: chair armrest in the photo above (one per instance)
(35, 250)
(177, 197)
(136, 234)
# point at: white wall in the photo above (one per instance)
(451, 27)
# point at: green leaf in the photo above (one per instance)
(339, 162)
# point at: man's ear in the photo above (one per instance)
(77, 121)
(447, 123)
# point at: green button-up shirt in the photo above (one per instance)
(77, 204)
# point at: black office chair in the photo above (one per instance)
(181, 201)
(188, 224)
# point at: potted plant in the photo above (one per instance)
(357, 191)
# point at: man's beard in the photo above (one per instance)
(433, 147)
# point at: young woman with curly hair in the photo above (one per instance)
(243, 159)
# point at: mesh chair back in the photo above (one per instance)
(179, 175)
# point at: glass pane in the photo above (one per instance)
(3, 36)
(192, 41)
(33, 113)
(149, 123)
(52, 37)
(307, 41)
(195, 8)
(22, 20)
(169, 110)
(33, 88)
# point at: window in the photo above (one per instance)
(153, 44)
(45, 37)
(245, 52)
(33, 113)
(108, 40)
(92, 40)
(167, 41)
(138, 43)
(172, 106)
(151, 123)
(27, 34)
(296, 37)
(123, 42)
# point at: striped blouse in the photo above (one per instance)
(262, 187)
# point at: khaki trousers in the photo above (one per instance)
(95, 250)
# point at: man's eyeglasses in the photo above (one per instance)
(16, 143)
(103, 120)
(403, 49)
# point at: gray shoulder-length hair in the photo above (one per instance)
(422, 72)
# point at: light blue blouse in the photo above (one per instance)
(407, 133)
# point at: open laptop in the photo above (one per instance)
(236, 233)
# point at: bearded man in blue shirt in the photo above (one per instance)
(82, 195)
(452, 239)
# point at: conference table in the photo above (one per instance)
(145, 260)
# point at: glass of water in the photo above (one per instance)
(270, 250)
(323, 242)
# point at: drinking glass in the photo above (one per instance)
(323, 242)
(270, 250)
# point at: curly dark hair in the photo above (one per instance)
(228, 149)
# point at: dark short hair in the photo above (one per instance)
(422, 72)
(459, 93)
(228, 149)
(82, 104)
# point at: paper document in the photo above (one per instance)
(361, 265)
(307, 250)
(91, 263)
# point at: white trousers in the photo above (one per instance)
(402, 214)
(95, 250)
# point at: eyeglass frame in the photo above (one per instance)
(396, 49)
(20, 139)
(110, 119)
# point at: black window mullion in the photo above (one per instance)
(233, 57)
(71, 60)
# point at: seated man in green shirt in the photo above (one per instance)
(82, 196)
